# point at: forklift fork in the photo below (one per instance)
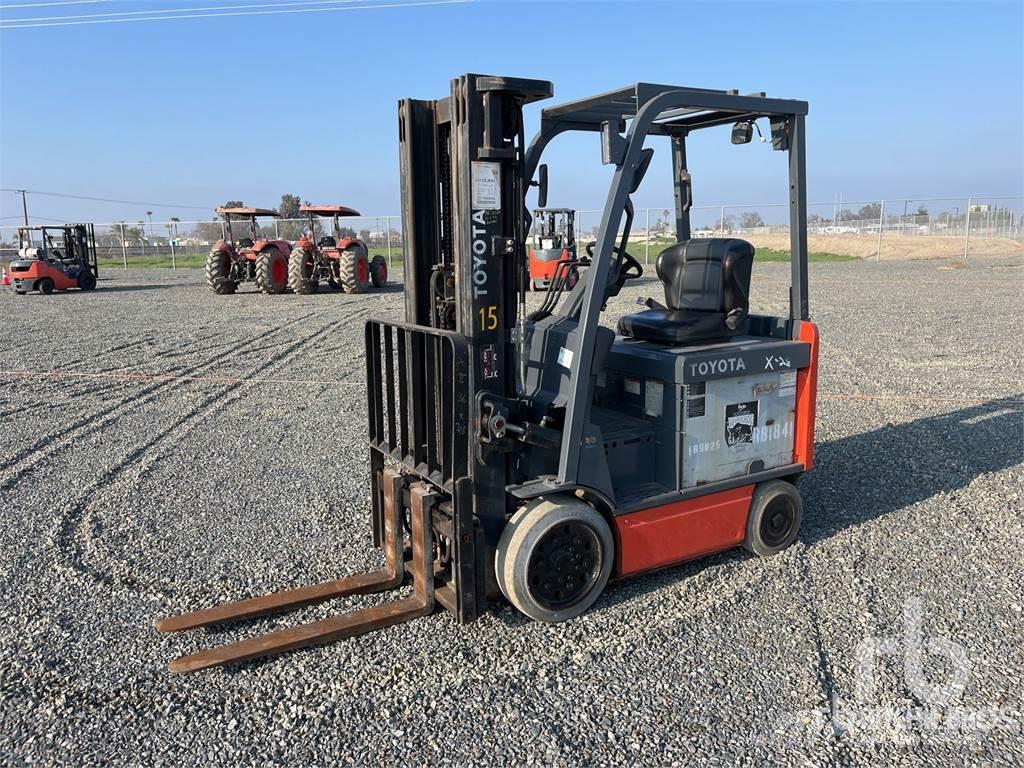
(344, 625)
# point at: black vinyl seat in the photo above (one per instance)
(707, 293)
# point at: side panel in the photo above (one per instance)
(660, 536)
(806, 400)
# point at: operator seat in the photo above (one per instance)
(707, 293)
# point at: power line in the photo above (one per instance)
(232, 13)
(62, 2)
(108, 200)
(185, 10)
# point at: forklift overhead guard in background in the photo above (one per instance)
(537, 456)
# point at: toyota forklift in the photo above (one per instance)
(55, 258)
(536, 455)
(554, 241)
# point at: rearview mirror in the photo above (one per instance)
(742, 132)
(542, 193)
(641, 169)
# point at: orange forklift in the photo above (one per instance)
(55, 258)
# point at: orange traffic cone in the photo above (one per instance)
(4, 279)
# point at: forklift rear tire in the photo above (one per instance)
(301, 272)
(554, 558)
(774, 520)
(45, 286)
(272, 271)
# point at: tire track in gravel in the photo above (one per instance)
(20, 462)
(66, 538)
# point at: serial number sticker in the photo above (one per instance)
(565, 357)
(631, 386)
(708, 447)
(486, 185)
(787, 383)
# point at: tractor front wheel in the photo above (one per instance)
(272, 271)
(378, 271)
(554, 558)
(218, 273)
(302, 272)
(354, 270)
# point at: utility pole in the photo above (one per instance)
(24, 205)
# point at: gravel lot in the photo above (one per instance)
(165, 447)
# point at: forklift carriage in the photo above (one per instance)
(65, 258)
(539, 455)
(253, 258)
(337, 259)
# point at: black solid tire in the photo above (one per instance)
(773, 523)
(301, 268)
(266, 266)
(86, 280)
(587, 546)
(45, 286)
(378, 271)
(348, 270)
(218, 272)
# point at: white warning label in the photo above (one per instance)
(486, 185)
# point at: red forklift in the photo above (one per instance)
(340, 260)
(55, 258)
(533, 456)
(554, 242)
(252, 258)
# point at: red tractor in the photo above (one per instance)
(252, 258)
(340, 260)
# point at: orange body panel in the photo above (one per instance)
(806, 397)
(660, 536)
(40, 269)
(545, 270)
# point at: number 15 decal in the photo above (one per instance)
(489, 318)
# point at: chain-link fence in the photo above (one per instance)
(905, 228)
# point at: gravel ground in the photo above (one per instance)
(165, 447)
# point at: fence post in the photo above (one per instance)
(174, 264)
(721, 221)
(881, 223)
(967, 229)
(387, 225)
(124, 248)
(647, 238)
(277, 229)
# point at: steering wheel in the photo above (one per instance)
(628, 260)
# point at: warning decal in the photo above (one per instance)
(740, 422)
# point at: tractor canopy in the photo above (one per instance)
(329, 210)
(248, 212)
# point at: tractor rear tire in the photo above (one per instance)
(378, 271)
(86, 280)
(554, 558)
(774, 519)
(218, 273)
(45, 286)
(354, 270)
(301, 271)
(272, 271)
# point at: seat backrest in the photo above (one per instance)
(707, 275)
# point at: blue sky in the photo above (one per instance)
(917, 99)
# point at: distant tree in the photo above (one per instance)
(751, 219)
(728, 222)
(815, 218)
(870, 211)
(364, 235)
(921, 211)
(233, 204)
(289, 209)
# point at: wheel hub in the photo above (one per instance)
(565, 565)
(777, 521)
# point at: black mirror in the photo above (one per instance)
(641, 169)
(542, 193)
(742, 132)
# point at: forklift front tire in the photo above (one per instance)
(554, 558)
(774, 520)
